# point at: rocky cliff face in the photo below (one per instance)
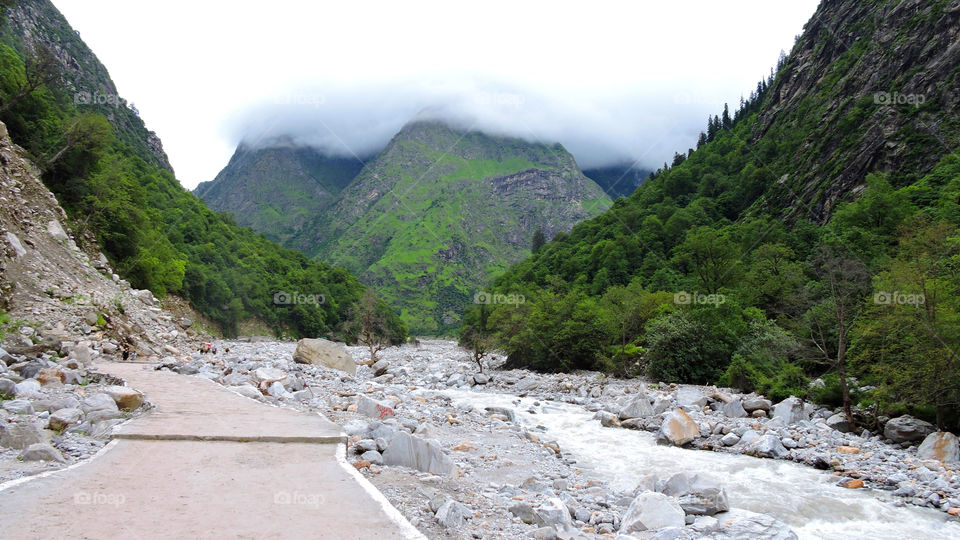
(30, 25)
(279, 188)
(869, 87)
(57, 296)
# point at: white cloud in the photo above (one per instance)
(609, 80)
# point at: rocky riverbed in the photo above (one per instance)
(422, 432)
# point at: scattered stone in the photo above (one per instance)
(854, 483)
(697, 494)
(41, 452)
(734, 409)
(267, 375)
(607, 419)
(768, 446)
(380, 367)
(452, 514)
(688, 396)
(18, 406)
(526, 514)
(374, 409)
(730, 439)
(411, 451)
(127, 399)
(555, 514)
(839, 422)
(751, 404)
(19, 436)
(99, 402)
(481, 379)
(64, 418)
(678, 429)
(848, 450)
(639, 406)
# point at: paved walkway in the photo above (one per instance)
(205, 463)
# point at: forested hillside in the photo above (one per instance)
(812, 234)
(112, 177)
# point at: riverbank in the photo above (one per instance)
(498, 472)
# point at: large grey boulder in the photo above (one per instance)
(525, 513)
(453, 514)
(41, 452)
(741, 524)
(678, 429)
(8, 389)
(28, 388)
(424, 455)
(19, 436)
(751, 404)
(907, 428)
(64, 418)
(127, 399)
(373, 408)
(687, 396)
(734, 409)
(324, 353)
(839, 422)
(650, 511)
(790, 410)
(768, 446)
(18, 406)
(697, 494)
(638, 406)
(555, 514)
(99, 402)
(942, 446)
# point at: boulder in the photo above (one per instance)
(19, 436)
(790, 410)
(373, 457)
(99, 402)
(324, 353)
(8, 389)
(678, 429)
(27, 388)
(18, 406)
(380, 368)
(526, 514)
(730, 439)
(247, 390)
(126, 398)
(752, 404)
(424, 455)
(64, 418)
(56, 231)
(942, 446)
(688, 396)
(453, 514)
(18, 249)
(839, 422)
(907, 428)
(697, 494)
(607, 419)
(41, 452)
(639, 406)
(734, 409)
(741, 524)
(512, 416)
(650, 511)
(267, 376)
(48, 376)
(554, 513)
(373, 408)
(768, 446)
(481, 379)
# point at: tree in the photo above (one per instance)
(368, 320)
(86, 132)
(475, 334)
(836, 301)
(539, 239)
(39, 70)
(709, 255)
(725, 122)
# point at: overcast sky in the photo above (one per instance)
(612, 81)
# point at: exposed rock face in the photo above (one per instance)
(678, 429)
(907, 428)
(650, 511)
(325, 353)
(942, 446)
(424, 455)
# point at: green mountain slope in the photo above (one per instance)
(111, 176)
(278, 188)
(440, 210)
(771, 253)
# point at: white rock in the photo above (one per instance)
(650, 511)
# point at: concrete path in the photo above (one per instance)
(205, 463)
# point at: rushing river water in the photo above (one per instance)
(802, 497)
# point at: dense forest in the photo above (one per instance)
(718, 269)
(156, 234)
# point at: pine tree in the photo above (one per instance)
(702, 140)
(539, 239)
(726, 122)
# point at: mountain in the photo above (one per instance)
(277, 188)
(618, 180)
(111, 176)
(813, 234)
(426, 222)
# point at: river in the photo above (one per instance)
(800, 496)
